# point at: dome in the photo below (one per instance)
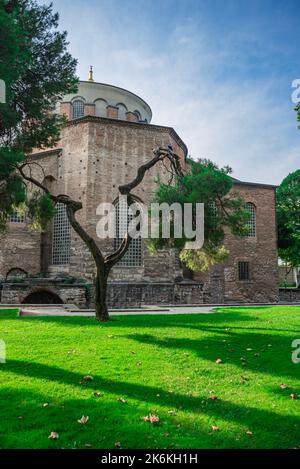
(105, 100)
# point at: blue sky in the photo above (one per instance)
(219, 72)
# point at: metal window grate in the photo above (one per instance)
(251, 223)
(133, 257)
(78, 109)
(61, 243)
(15, 217)
(244, 271)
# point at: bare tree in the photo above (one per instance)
(104, 263)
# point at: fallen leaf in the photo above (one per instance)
(53, 436)
(118, 444)
(152, 418)
(249, 433)
(121, 399)
(213, 398)
(88, 378)
(46, 404)
(215, 428)
(167, 435)
(84, 419)
(284, 386)
(294, 396)
(98, 394)
(219, 361)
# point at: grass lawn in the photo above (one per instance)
(161, 365)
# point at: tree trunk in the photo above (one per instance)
(100, 296)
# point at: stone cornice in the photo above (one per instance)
(139, 125)
(44, 154)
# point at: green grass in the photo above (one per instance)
(164, 365)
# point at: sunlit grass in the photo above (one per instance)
(163, 365)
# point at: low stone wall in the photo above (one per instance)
(289, 295)
(123, 295)
(120, 295)
(13, 294)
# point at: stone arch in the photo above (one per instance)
(122, 111)
(78, 98)
(100, 107)
(42, 296)
(138, 114)
(16, 272)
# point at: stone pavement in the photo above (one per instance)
(72, 310)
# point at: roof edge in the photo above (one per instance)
(140, 125)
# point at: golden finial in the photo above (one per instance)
(91, 77)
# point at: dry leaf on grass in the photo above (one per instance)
(53, 436)
(88, 378)
(284, 386)
(219, 361)
(213, 398)
(98, 394)
(152, 418)
(121, 399)
(84, 419)
(215, 428)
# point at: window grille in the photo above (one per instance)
(251, 223)
(61, 243)
(16, 217)
(78, 109)
(244, 271)
(133, 257)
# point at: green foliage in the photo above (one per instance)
(41, 210)
(224, 208)
(288, 219)
(37, 71)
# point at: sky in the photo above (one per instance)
(219, 72)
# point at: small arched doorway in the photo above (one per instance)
(42, 297)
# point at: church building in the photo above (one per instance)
(108, 135)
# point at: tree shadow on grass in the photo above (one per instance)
(269, 428)
(270, 353)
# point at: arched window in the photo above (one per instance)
(122, 109)
(78, 109)
(100, 107)
(61, 241)
(138, 115)
(133, 257)
(251, 223)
